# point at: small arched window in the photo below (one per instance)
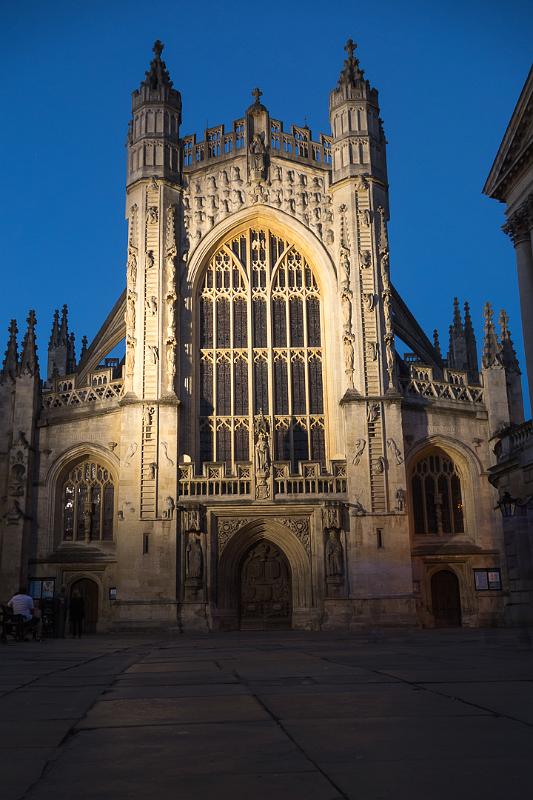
(437, 497)
(87, 497)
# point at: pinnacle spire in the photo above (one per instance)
(63, 330)
(457, 358)
(10, 366)
(84, 343)
(436, 343)
(54, 336)
(29, 364)
(491, 348)
(471, 346)
(158, 75)
(71, 354)
(351, 72)
(508, 354)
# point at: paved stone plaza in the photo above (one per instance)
(416, 714)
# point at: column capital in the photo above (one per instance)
(520, 222)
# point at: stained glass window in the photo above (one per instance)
(88, 497)
(259, 333)
(437, 499)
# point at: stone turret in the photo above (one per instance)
(472, 364)
(494, 377)
(512, 371)
(462, 352)
(358, 137)
(153, 135)
(19, 396)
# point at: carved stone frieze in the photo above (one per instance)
(228, 527)
(300, 527)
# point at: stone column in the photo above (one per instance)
(520, 229)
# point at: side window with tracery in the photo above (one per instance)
(260, 351)
(437, 495)
(88, 497)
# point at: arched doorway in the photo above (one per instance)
(88, 589)
(265, 588)
(445, 599)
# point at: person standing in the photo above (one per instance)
(76, 613)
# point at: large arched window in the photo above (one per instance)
(437, 498)
(260, 351)
(88, 496)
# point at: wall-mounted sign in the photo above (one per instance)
(488, 580)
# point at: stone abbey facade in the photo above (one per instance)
(262, 456)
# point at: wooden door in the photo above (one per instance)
(265, 597)
(446, 599)
(88, 589)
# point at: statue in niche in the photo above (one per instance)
(331, 515)
(211, 183)
(194, 558)
(358, 452)
(171, 311)
(236, 175)
(276, 174)
(373, 350)
(153, 470)
(362, 184)
(372, 412)
(366, 259)
(347, 310)
(349, 359)
(223, 178)
(153, 215)
(370, 300)
(149, 413)
(344, 259)
(290, 176)
(130, 310)
(379, 467)
(391, 358)
(400, 500)
(236, 198)
(18, 472)
(330, 237)
(150, 259)
(262, 447)
(168, 513)
(171, 363)
(154, 353)
(130, 354)
(334, 556)
(132, 267)
(151, 305)
(257, 152)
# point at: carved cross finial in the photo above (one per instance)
(350, 48)
(257, 93)
(157, 49)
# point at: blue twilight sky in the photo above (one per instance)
(448, 74)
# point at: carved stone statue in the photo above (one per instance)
(132, 449)
(153, 470)
(257, 158)
(400, 500)
(344, 261)
(347, 310)
(171, 363)
(151, 305)
(349, 359)
(370, 300)
(168, 513)
(366, 259)
(150, 260)
(194, 559)
(372, 412)
(358, 452)
(334, 557)
(262, 450)
(397, 453)
(130, 354)
(154, 353)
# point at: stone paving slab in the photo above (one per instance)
(316, 716)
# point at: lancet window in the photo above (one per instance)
(88, 496)
(260, 341)
(437, 495)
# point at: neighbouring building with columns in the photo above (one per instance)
(511, 182)
(262, 456)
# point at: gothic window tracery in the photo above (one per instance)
(437, 495)
(260, 342)
(88, 497)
